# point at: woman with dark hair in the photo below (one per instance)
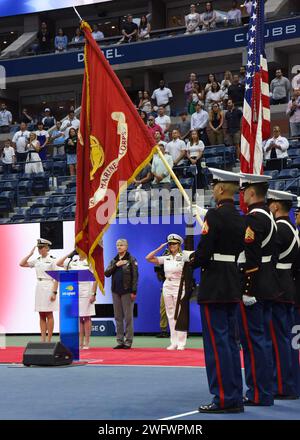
(144, 28)
(43, 138)
(215, 95)
(210, 79)
(216, 120)
(70, 149)
(145, 102)
(60, 41)
(143, 116)
(209, 17)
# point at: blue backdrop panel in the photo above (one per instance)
(142, 239)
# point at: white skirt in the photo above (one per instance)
(35, 165)
(43, 293)
(85, 307)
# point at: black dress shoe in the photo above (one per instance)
(162, 335)
(212, 408)
(126, 346)
(285, 397)
(248, 402)
(119, 346)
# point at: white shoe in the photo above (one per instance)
(172, 347)
(180, 347)
(86, 347)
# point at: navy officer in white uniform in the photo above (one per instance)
(173, 263)
(46, 288)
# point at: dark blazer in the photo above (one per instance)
(130, 272)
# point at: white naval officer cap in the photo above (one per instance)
(43, 242)
(174, 238)
(224, 176)
(298, 205)
(280, 195)
(247, 179)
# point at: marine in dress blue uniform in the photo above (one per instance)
(260, 288)
(296, 275)
(220, 294)
(284, 386)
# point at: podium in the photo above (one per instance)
(69, 305)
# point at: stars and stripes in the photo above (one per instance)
(256, 112)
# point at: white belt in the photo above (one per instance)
(283, 265)
(266, 259)
(225, 258)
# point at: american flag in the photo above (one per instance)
(256, 112)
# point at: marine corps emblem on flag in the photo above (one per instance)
(249, 235)
(205, 228)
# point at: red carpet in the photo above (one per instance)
(134, 356)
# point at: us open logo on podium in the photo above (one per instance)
(2, 77)
(2, 338)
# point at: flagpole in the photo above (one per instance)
(77, 13)
(178, 184)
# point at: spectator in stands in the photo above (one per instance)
(197, 95)
(70, 149)
(43, 138)
(209, 17)
(226, 83)
(293, 112)
(129, 30)
(280, 89)
(144, 116)
(234, 15)
(70, 121)
(183, 126)
(211, 78)
(57, 139)
(216, 120)
(144, 29)
(188, 88)
(8, 157)
(142, 184)
(276, 151)
(243, 73)
(177, 149)
(48, 120)
(161, 175)
(20, 140)
(153, 127)
(296, 81)
(248, 6)
(33, 163)
(199, 122)
(163, 97)
(192, 21)
(215, 95)
(163, 121)
(44, 39)
(60, 41)
(158, 139)
(236, 91)
(78, 37)
(233, 118)
(145, 102)
(25, 117)
(194, 152)
(97, 34)
(5, 119)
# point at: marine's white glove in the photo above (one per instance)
(196, 209)
(249, 300)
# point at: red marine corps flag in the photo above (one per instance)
(114, 145)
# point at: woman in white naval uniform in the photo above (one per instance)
(87, 297)
(173, 266)
(46, 288)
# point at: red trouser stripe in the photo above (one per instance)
(251, 352)
(277, 358)
(218, 365)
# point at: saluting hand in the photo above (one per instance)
(32, 251)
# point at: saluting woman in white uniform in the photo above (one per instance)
(87, 297)
(173, 266)
(46, 288)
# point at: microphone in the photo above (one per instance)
(71, 256)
